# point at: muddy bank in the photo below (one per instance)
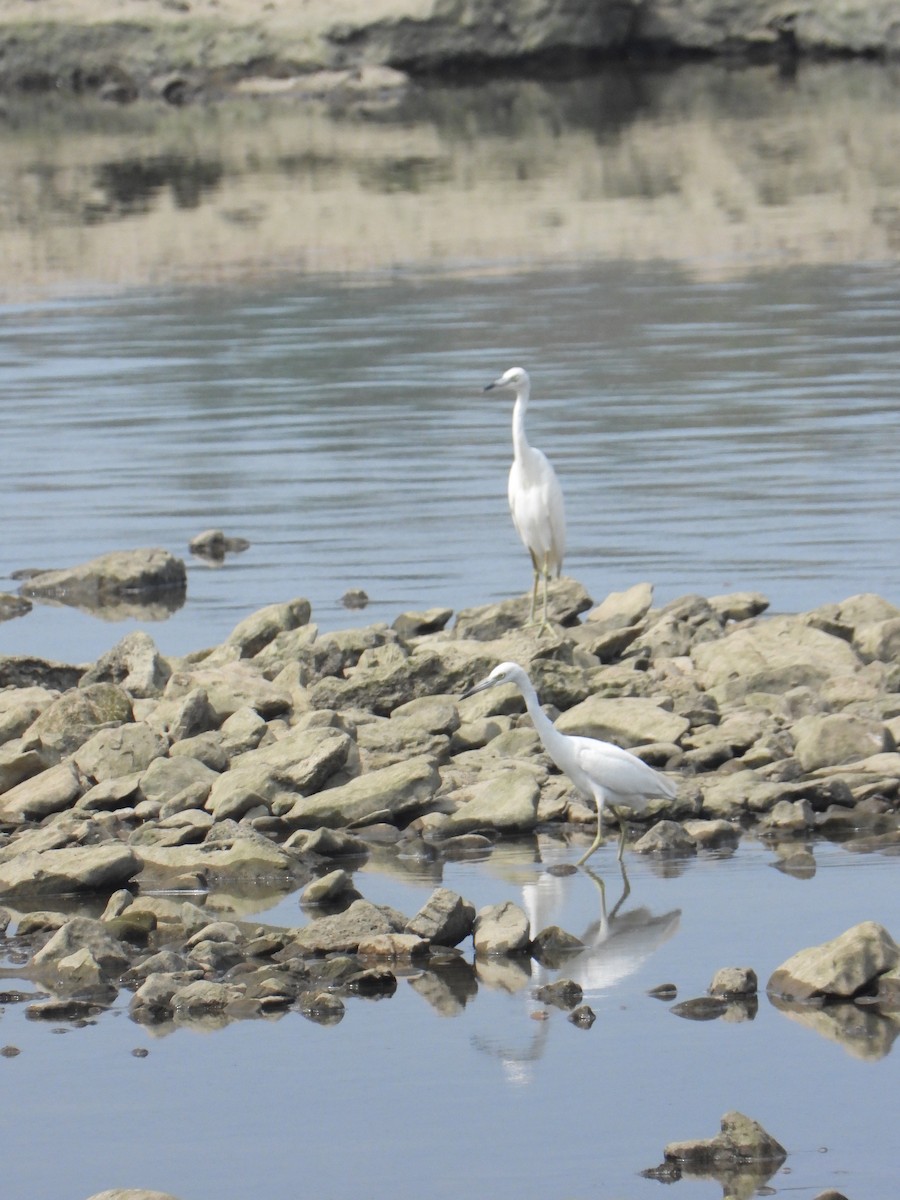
(146, 802)
(182, 50)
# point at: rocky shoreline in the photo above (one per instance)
(136, 788)
(186, 49)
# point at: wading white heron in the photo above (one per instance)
(535, 497)
(601, 770)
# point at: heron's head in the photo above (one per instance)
(515, 377)
(508, 672)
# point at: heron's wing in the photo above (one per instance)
(620, 771)
(537, 507)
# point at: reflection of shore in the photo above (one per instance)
(715, 169)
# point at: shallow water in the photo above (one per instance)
(282, 328)
(434, 1100)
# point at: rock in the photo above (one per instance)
(328, 843)
(72, 869)
(771, 656)
(135, 663)
(629, 721)
(203, 995)
(211, 544)
(248, 857)
(13, 606)
(126, 574)
(38, 797)
(445, 919)
(344, 931)
(188, 715)
(255, 632)
(741, 1140)
(788, 817)
(166, 778)
(328, 888)
(733, 981)
(23, 670)
(701, 1008)
(738, 606)
(713, 835)
(132, 1194)
(878, 641)
(827, 739)
(231, 687)
(567, 599)
(122, 750)
(620, 610)
(507, 802)
(82, 934)
(501, 929)
(417, 624)
(563, 993)
(71, 719)
(395, 947)
(841, 968)
(402, 791)
(666, 837)
(19, 707)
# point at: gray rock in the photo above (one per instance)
(230, 687)
(127, 574)
(740, 1140)
(204, 995)
(211, 544)
(619, 610)
(417, 624)
(50, 792)
(246, 857)
(738, 606)
(501, 929)
(445, 919)
(630, 721)
(401, 791)
(388, 741)
(259, 629)
(878, 641)
(135, 663)
(19, 707)
(328, 843)
(71, 869)
(771, 656)
(71, 719)
(712, 835)
(788, 817)
(827, 739)
(394, 947)
(82, 933)
(121, 792)
(840, 968)
(666, 837)
(344, 931)
(207, 748)
(243, 731)
(121, 750)
(131, 1194)
(17, 765)
(185, 716)
(326, 889)
(507, 802)
(733, 981)
(167, 778)
(436, 714)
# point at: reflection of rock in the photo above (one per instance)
(742, 1156)
(146, 583)
(865, 1033)
(13, 606)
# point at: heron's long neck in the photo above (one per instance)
(520, 441)
(546, 730)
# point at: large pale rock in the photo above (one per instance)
(185, 716)
(397, 792)
(622, 609)
(740, 1140)
(388, 741)
(828, 739)
(344, 931)
(507, 802)
(254, 858)
(166, 778)
(840, 968)
(18, 764)
(71, 719)
(70, 869)
(230, 687)
(122, 750)
(629, 721)
(259, 629)
(50, 792)
(879, 641)
(501, 929)
(773, 655)
(19, 707)
(382, 689)
(123, 574)
(567, 599)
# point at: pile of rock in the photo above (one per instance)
(264, 761)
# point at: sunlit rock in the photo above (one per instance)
(841, 968)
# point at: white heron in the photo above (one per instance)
(535, 497)
(601, 770)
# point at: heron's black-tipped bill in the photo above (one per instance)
(478, 687)
(488, 387)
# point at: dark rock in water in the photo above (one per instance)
(214, 544)
(733, 981)
(703, 1008)
(445, 918)
(355, 598)
(663, 991)
(564, 993)
(123, 575)
(742, 1156)
(552, 946)
(583, 1017)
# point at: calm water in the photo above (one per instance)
(700, 271)
(709, 436)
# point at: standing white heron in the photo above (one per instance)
(598, 769)
(535, 497)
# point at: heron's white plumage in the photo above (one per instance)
(600, 770)
(535, 496)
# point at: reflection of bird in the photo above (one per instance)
(608, 773)
(616, 945)
(535, 497)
